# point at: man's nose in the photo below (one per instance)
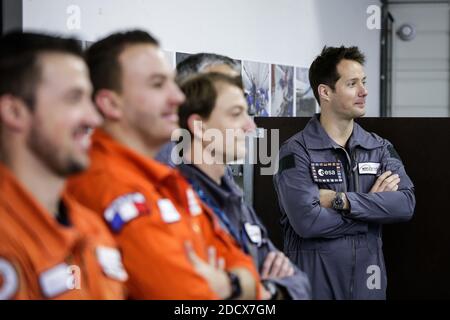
(249, 124)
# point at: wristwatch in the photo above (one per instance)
(338, 202)
(236, 289)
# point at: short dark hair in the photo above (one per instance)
(323, 70)
(103, 58)
(196, 63)
(201, 92)
(20, 71)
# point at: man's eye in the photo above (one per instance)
(236, 113)
(157, 84)
(74, 97)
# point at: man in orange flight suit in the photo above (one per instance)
(172, 245)
(50, 246)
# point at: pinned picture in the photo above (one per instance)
(282, 91)
(256, 77)
(304, 96)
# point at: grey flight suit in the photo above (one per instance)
(341, 252)
(247, 227)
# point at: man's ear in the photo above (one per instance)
(14, 113)
(195, 125)
(324, 92)
(109, 104)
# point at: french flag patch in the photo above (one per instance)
(124, 209)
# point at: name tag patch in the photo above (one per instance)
(254, 233)
(111, 262)
(9, 280)
(368, 167)
(326, 172)
(58, 280)
(194, 206)
(168, 211)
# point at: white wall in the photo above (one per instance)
(290, 32)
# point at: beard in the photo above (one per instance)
(52, 156)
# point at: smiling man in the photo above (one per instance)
(337, 184)
(50, 246)
(150, 208)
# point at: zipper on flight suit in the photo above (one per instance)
(353, 174)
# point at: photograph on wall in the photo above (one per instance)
(304, 96)
(256, 77)
(282, 91)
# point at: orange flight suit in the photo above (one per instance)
(43, 259)
(152, 210)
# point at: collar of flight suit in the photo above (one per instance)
(223, 192)
(54, 240)
(317, 138)
(103, 143)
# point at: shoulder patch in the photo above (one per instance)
(9, 280)
(287, 162)
(393, 153)
(124, 209)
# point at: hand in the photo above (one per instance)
(212, 271)
(386, 182)
(265, 295)
(276, 265)
(326, 197)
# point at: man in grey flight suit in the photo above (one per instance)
(337, 184)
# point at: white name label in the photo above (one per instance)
(368, 167)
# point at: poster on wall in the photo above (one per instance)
(282, 91)
(256, 77)
(304, 97)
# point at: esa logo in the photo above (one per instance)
(323, 173)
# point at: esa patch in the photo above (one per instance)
(326, 172)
